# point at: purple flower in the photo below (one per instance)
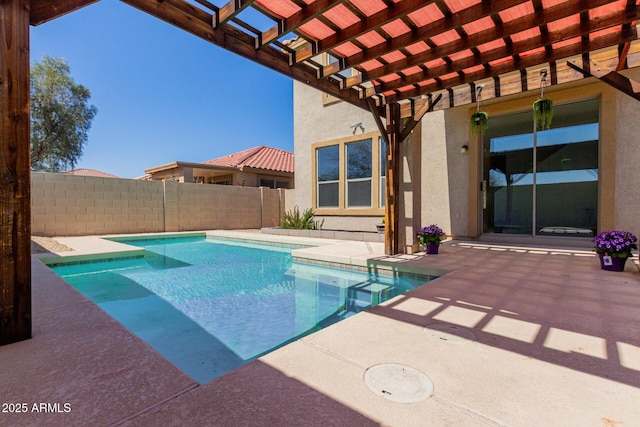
(615, 243)
(430, 234)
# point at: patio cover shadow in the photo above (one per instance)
(561, 309)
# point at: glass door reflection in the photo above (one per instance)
(566, 173)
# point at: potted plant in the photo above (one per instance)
(543, 113)
(430, 237)
(380, 226)
(613, 248)
(479, 121)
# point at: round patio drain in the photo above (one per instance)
(398, 383)
(450, 333)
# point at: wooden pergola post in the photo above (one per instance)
(15, 194)
(394, 134)
(392, 207)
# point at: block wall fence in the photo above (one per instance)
(69, 205)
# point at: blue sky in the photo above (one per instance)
(163, 94)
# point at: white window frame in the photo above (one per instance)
(348, 181)
(319, 183)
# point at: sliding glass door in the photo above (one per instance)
(542, 182)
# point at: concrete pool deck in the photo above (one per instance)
(558, 343)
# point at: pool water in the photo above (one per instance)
(210, 306)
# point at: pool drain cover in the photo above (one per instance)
(450, 333)
(398, 383)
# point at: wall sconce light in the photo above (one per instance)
(464, 149)
(355, 127)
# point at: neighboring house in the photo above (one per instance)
(255, 167)
(583, 180)
(90, 172)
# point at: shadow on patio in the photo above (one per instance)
(556, 306)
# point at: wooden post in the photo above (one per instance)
(394, 134)
(15, 200)
(391, 207)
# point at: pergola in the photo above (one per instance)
(396, 58)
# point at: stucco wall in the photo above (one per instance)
(618, 196)
(315, 122)
(273, 204)
(410, 188)
(628, 160)
(201, 207)
(289, 198)
(69, 205)
(445, 171)
(447, 191)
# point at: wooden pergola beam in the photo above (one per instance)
(465, 16)
(15, 190)
(393, 134)
(417, 117)
(376, 117)
(456, 20)
(610, 77)
(230, 10)
(46, 10)
(485, 57)
(523, 63)
(373, 22)
(624, 52)
(290, 24)
(199, 23)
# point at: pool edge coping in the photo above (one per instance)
(346, 254)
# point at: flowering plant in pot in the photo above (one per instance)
(614, 247)
(430, 237)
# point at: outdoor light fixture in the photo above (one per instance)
(464, 148)
(355, 127)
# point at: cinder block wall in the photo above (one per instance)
(203, 207)
(69, 205)
(272, 206)
(289, 200)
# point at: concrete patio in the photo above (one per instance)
(558, 343)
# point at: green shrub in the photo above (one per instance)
(295, 220)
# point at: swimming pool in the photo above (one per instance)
(210, 305)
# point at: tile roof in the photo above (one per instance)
(261, 157)
(90, 172)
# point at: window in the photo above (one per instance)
(328, 175)
(543, 182)
(359, 176)
(272, 183)
(348, 176)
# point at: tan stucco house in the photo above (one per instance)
(260, 166)
(583, 179)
